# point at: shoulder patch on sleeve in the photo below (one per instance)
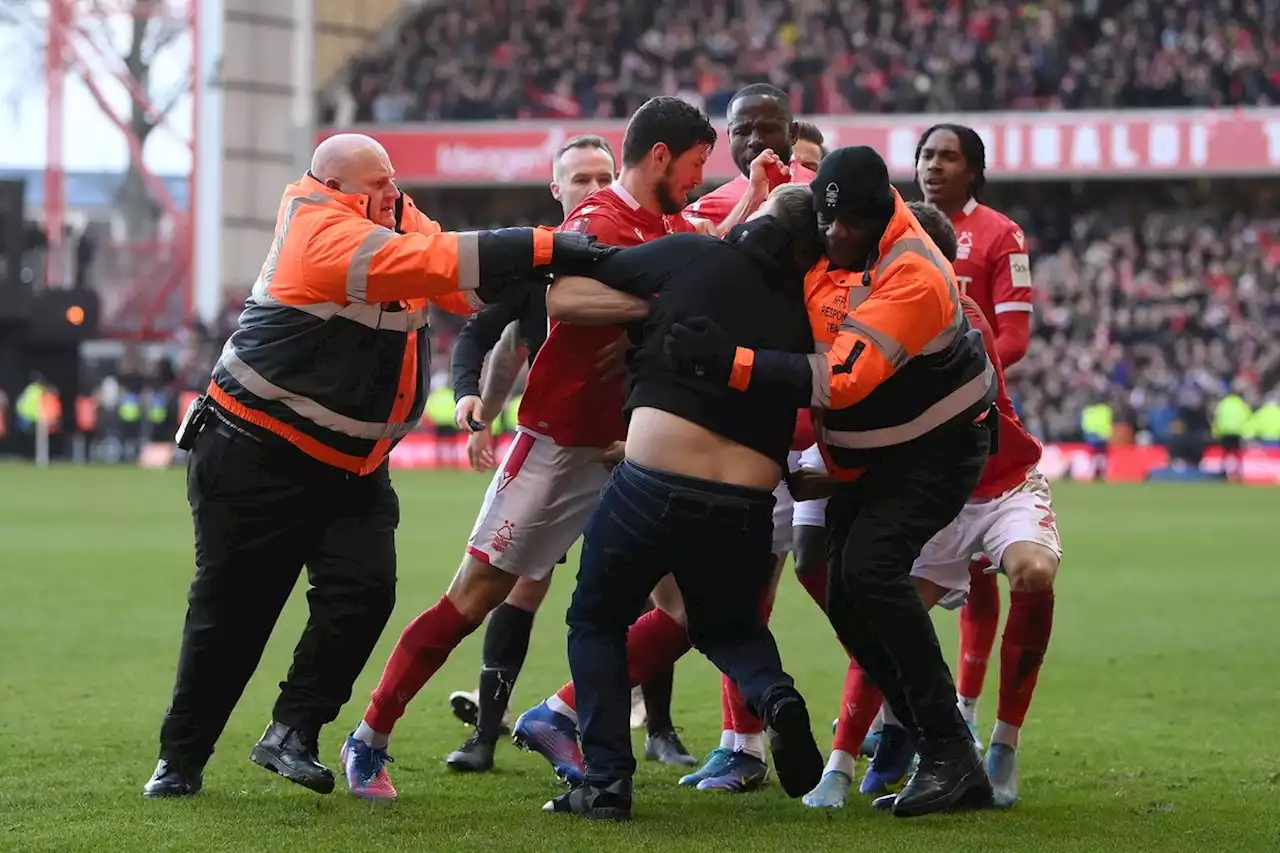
(1020, 270)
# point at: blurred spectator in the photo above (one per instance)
(493, 59)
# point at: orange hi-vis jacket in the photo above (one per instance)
(895, 356)
(331, 352)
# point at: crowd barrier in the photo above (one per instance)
(1130, 464)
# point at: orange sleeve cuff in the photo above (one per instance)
(740, 373)
(544, 242)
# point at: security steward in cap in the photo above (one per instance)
(289, 446)
(903, 389)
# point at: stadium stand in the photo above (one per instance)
(494, 59)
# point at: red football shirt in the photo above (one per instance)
(991, 262)
(719, 203)
(565, 398)
(1018, 450)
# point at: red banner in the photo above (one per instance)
(1132, 464)
(1141, 144)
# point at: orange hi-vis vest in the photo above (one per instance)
(895, 356)
(332, 351)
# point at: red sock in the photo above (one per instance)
(654, 643)
(741, 720)
(979, 620)
(814, 582)
(423, 647)
(858, 708)
(727, 689)
(1026, 636)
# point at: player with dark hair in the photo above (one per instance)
(994, 269)
(810, 146)
(1011, 506)
(570, 432)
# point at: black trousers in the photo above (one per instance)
(262, 511)
(876, 527)
(717, 542)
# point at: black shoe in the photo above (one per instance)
(295, 755)
(949, 777)
(666, 748)
(595, 802)
(796, 757)
(170, 780)
(474, 756)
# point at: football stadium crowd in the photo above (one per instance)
(502, 59)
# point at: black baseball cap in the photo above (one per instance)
(853, 181)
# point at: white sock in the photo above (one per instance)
(968, 708)
(1005, 734)
(877, 725)
(840, 762)
(365, 733)
(728, 739)
(752, 744)
(557, 704)
(887, 717)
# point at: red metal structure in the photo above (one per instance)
(146, 285)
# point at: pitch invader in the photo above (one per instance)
(570, 430)
(762, 134)
(1010, 518)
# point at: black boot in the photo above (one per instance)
(173, 780)
(949, 777)
(295, 755)
(796, 757)
(596, 801)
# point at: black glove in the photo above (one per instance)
(701, 348)
(576, 254)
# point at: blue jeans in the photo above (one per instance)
(716, 540)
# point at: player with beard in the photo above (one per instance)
(994, 269)
(570, 431)
(762, 132)
(1009, 511)
(515, 332)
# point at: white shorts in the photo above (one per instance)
(783, 507)
(1022, 514)
(537, 505)
(811, 513)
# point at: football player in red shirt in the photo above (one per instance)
(570, 431)
(993, 267)
(1009, 517)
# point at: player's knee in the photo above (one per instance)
(1033, 572)
(478, 587)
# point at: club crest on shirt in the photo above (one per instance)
(964, 245)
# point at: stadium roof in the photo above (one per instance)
(88, 190)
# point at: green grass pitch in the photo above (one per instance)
(1156, 725)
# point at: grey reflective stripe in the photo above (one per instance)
(895, 352)
(362, 260)
(468, 260)
(939, 413)
(924, 250)
(268, 273)
(370, 316)
(256, 384)
(821, 370)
